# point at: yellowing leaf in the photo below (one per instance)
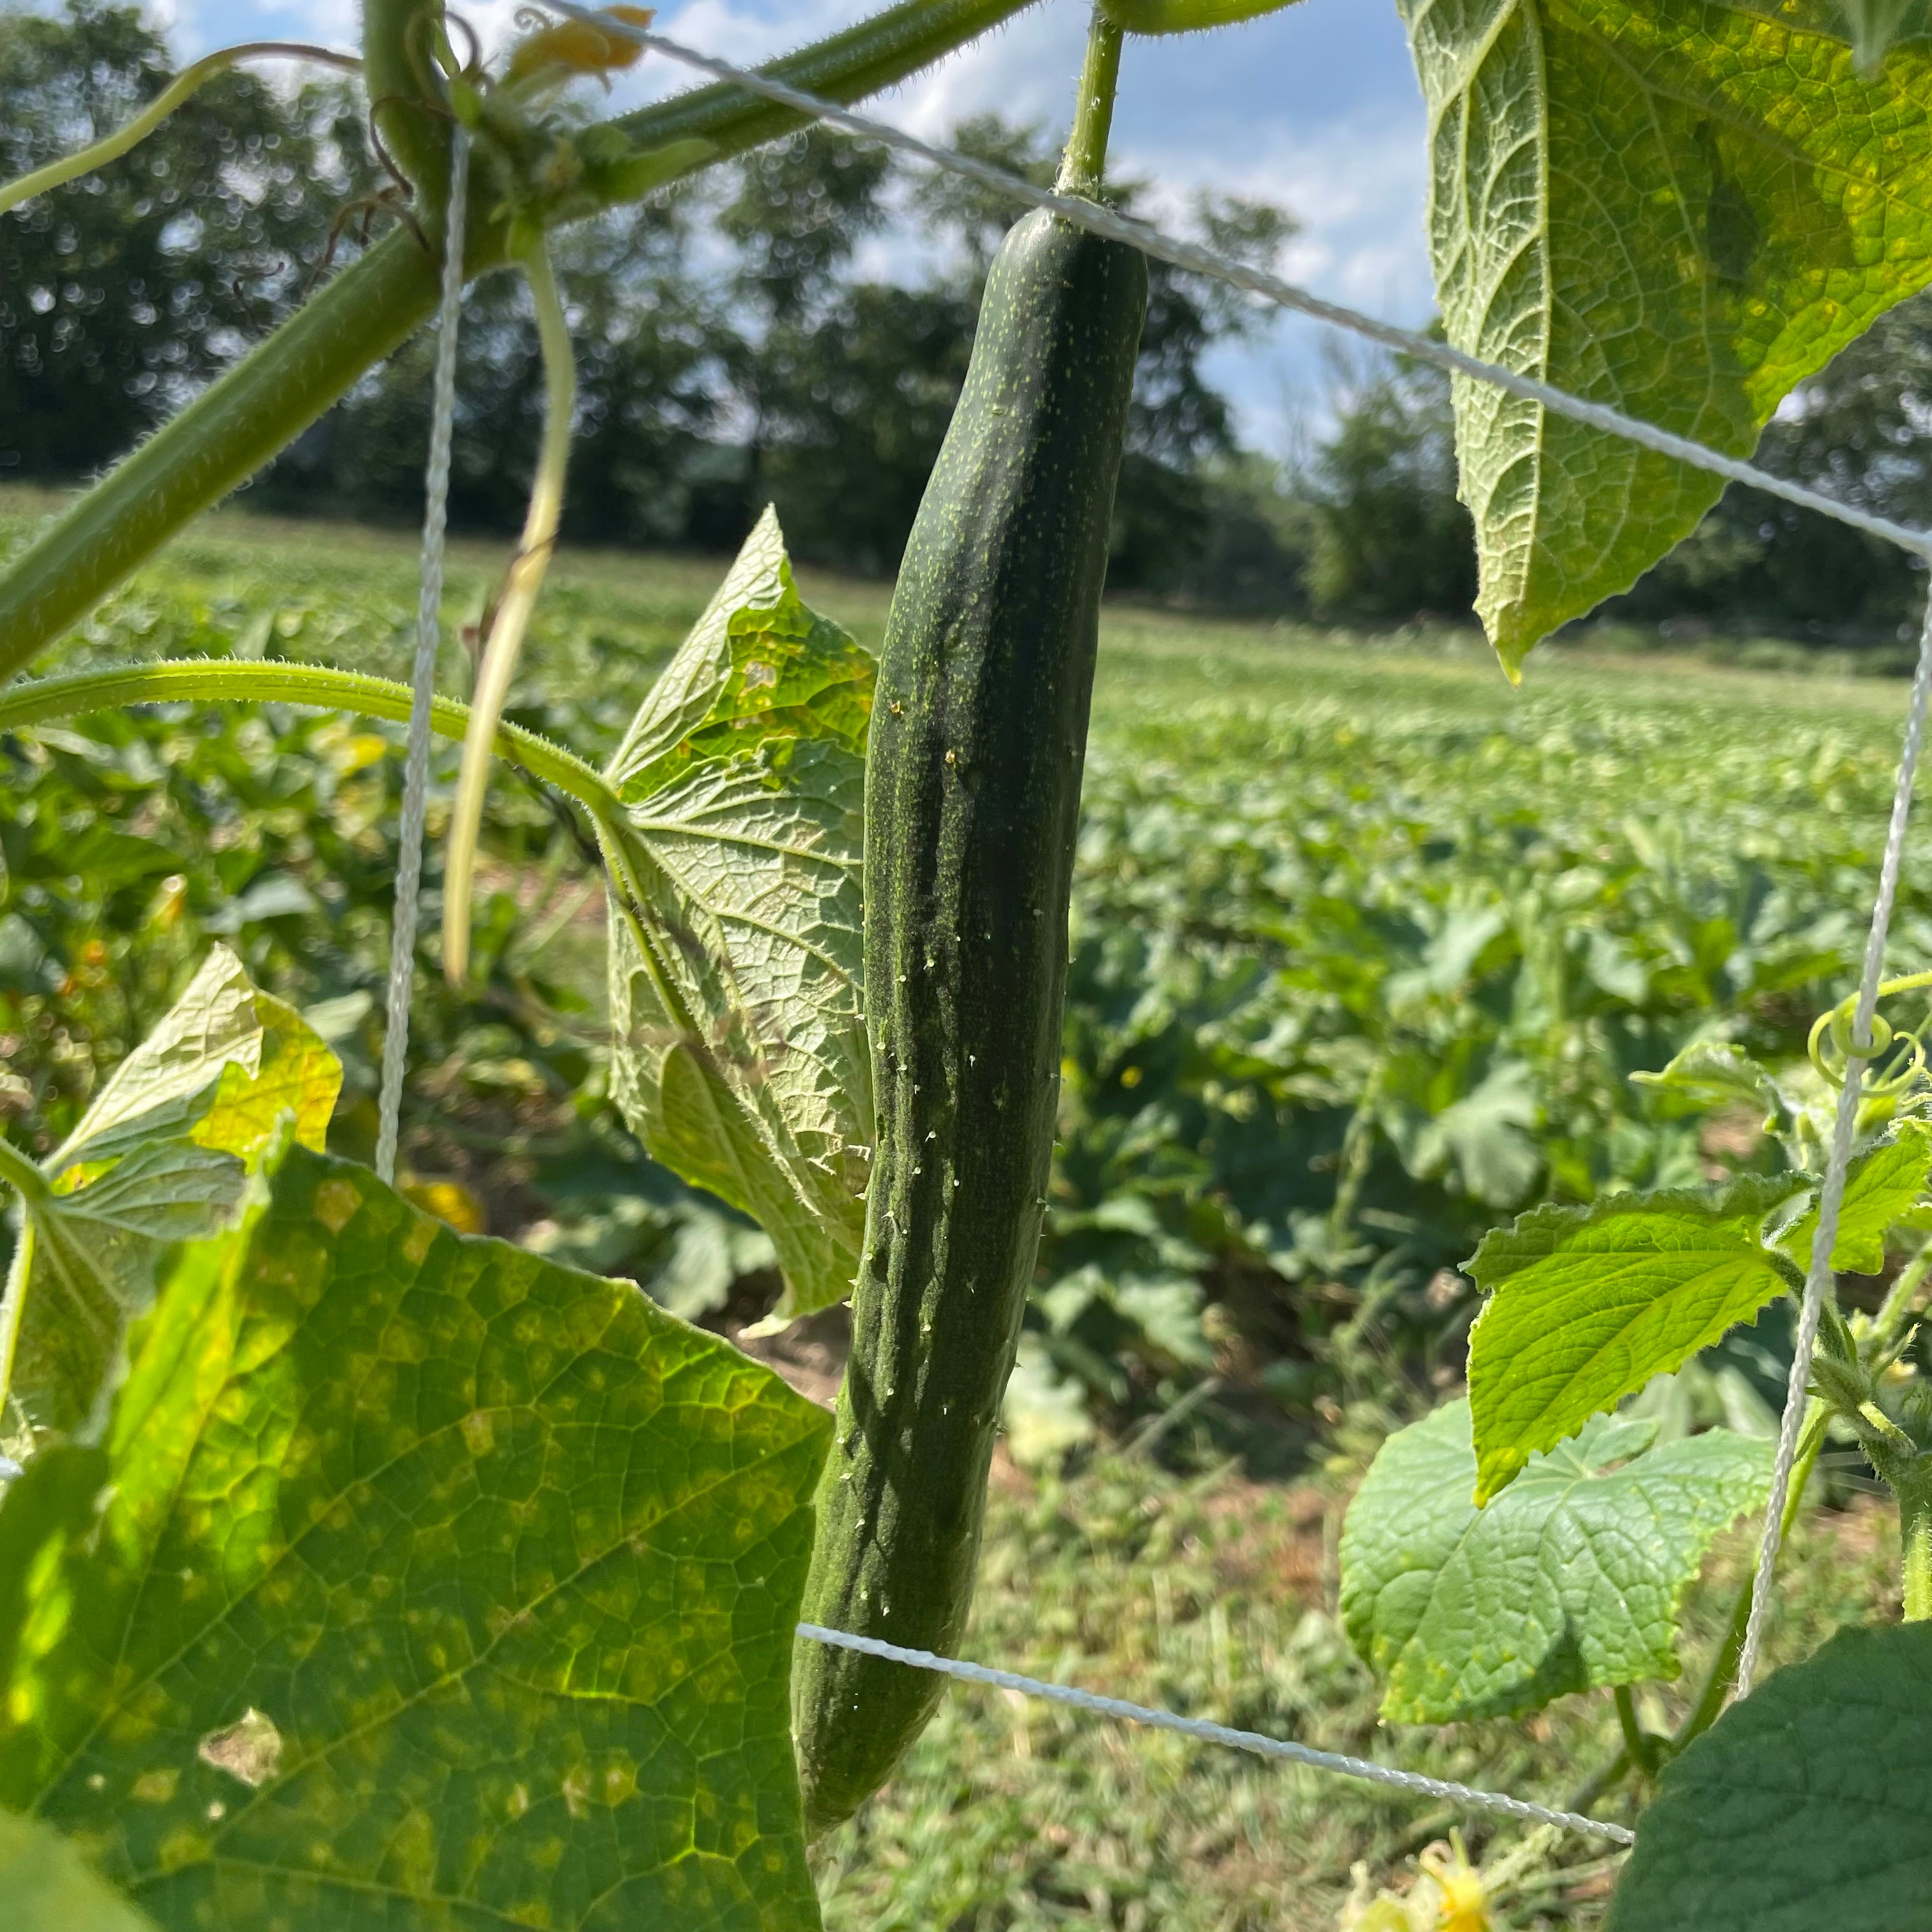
(735, 1000)
(419, 1582)
(1586, 1304)
(1680, 209)
(161, 1156)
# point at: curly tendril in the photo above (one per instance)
(1894, 1057)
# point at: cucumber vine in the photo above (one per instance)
(344, 1547)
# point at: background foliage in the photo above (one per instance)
(739, 343)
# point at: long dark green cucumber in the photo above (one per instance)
(972, 797)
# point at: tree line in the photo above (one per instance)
(738, 342)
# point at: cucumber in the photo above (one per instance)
(972, 798)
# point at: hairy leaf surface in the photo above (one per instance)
(1882, 1185)
(736, 982)
(1587, 1303)
(421, 1582)
(48, 1887)
(161, 1156)
(1802, 1808)
(1679, 209)
(1569, 1581)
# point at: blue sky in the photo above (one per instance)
(1316, 107)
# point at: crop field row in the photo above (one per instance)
(1365, 947)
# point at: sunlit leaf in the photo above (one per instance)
(1883, 1186)
(420, 1581)
(1681, 210)
(736, 994)
(161, 1156)
(1571, 1580)
(1801, 1810)
(1587, 1303)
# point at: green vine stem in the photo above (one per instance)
(408, 102)
(20, 1173)
(183, 87)
(505, 638)
(877, 53)
(370, 309)
(1915, 1538)
(321, 687)
(1084, 166)
(1187, 17)
(1638, 1745)
(217, 442)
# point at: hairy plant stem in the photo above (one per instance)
(408, 101)
(367, 311)
(21, 1173)
(1083, 165)
(218, 680)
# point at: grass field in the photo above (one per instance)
(1366, 945)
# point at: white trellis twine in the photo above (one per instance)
(429, 604)
(1831, 1193)
(1202, 261)
(1189, 255)
(1262, 1745)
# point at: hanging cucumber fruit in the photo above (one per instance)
(972, 797)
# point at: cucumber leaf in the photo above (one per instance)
(1878, 26)
(1801, 1809)
(1682, 211)
(736, 997)
(1586, 1304)
(417, 1580)
(1883, 1186)
(48, 1887)
(162, 1155)
(1569, 1582)
(1716, 1073)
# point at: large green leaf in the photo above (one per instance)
(1587, 1303)
(48, 1887)
(1570, 1580)
(1680, 208)
(735, 991)
(161, 1156)
(1883, 1186)
(420, 1583)
(1803, 1808)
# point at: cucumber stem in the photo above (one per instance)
(1083, 165)
(323, 687)
(20, 1173)
(233, 427)
(408, 99)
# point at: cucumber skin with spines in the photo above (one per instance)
(972, 800)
